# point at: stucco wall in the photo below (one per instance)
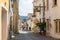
(39, 15)
(0, 22)
(4, 34)
(53, 13)
(4, 25)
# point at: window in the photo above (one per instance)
(5, 3)
(12, 5)
(57, 26)
(37, 9)
(11, 0)
(47, 4)
(48, 24)
(55, 2)
(40, 20)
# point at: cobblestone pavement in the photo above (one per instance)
(31, 36)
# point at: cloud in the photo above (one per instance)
(25, 7)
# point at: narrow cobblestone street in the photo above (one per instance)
(32, 36)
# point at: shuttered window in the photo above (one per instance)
(57, 26)
(54, 2)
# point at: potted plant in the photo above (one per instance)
(42, 27)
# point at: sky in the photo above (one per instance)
(25, 7)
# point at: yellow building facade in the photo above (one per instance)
(4, 20)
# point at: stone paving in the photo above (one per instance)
(32, 36)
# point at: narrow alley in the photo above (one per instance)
(26, 35)
(29, 19)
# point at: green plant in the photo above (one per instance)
(41, 25)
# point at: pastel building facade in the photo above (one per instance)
(29, 21)
(34, 26)
(38, 10)
(52, 15)
(53, 18)
(4, 19)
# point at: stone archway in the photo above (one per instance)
(4, 24)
